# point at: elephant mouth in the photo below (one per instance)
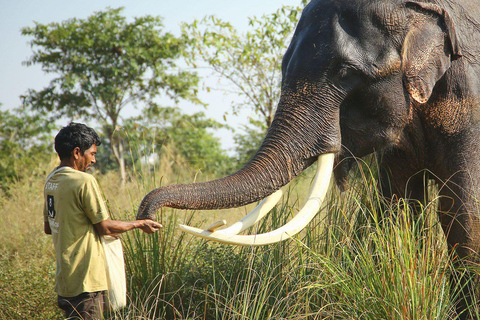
(310, 209)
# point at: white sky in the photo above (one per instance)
(16, 79)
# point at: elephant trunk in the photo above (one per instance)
(298, 135)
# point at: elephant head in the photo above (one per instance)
(350, 78)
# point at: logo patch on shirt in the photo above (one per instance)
(51, 207)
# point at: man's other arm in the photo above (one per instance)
(46, 227)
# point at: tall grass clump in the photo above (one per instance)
(259, 284)
(361, 258)
(386, 261)
(163, 268)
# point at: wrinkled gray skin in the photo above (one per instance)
(399, 78)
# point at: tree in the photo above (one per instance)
(166, 129)
(103, 64)
(248, 141)
(250, 63)
(25, 141)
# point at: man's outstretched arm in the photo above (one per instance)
(109, 227)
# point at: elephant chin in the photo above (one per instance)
(341, 169)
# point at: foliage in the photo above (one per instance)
(248, 142)
(162, 130)
(358, 262)
(102, 65)
(250, 63)
(24, 142)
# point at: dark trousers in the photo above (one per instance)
(85, 306)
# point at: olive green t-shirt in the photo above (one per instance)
(73, 204)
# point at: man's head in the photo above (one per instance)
(76, 145)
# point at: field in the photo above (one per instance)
(354, 261)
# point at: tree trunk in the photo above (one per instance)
(118, 153)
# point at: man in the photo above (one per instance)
(76, 216)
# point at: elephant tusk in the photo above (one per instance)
(253, 217)
(294, 226)
(217, 225)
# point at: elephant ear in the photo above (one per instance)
(428, 49)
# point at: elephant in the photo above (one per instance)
(395, 78)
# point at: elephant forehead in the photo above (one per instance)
(332, 34)
(389, 17)
(359, 27)
(368, 48)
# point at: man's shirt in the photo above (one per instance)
(73, 204)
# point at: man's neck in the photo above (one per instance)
(68, 163)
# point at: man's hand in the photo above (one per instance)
(149, 226)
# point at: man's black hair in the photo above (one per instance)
(75, 135)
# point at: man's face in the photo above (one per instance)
(85, 161)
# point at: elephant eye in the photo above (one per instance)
(346, 71)
(343, 73)
(347, 76)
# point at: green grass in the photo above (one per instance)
(360, 258)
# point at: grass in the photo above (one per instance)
(27, 267)
(360, 258)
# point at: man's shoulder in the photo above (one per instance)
(71, 175)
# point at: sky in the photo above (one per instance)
(16, 79)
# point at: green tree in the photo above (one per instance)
(167, 129)
(248, 141)
(103, 64)
(25, 141)
(249, 65)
